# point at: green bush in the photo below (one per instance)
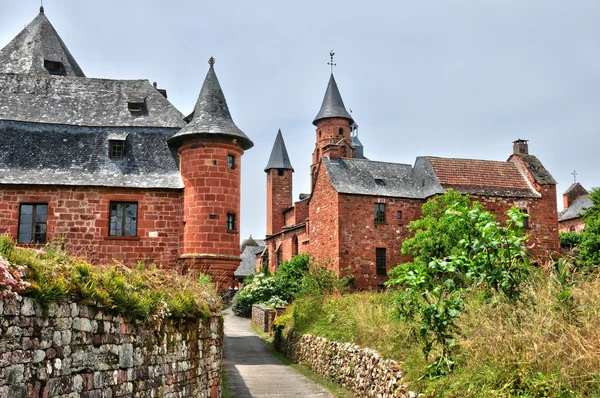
(569, 240)
(289, 275)
(457, 245)
(258, 289)
(589, 248)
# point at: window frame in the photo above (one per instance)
(379, 213)
(230, 222)
(381, 262)
(123, 232)
(231, 162)
(33, 223)
(116, 149)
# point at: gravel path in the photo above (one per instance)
(254, 372)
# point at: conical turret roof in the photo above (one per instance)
(279, 158)
(333, 105)
(38, 49)
(211, 115)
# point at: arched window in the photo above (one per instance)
(295, 245)
(319, 133)
(572, 229)
(341, 132)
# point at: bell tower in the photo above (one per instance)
(279, 185)
(333, 129)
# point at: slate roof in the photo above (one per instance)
(429, 176)
(35, 153)
(251, 242)
(248, 263)
(358, 176)
(83, 101)
(279, 158)
(333, 105)
(537, 169)
(482, 177)
(575, 186)
(577, 208)
(39, 41)
(211, 115)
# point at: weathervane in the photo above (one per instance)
(330, 63)
(574, 176)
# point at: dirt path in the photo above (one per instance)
(255, 372)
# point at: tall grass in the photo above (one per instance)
(536, 347)
(138, 293)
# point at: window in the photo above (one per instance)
(280, 172)
(379, 212)
(231, 162)
(341, 132)
(525, 219)
(137, 108)
(380, 182)
(116, 148)
(295, 245)
(54, 67)
(399, 214)
(230, 222)
(33, 219)
(380, 261)
(123, 219)
(572, 229)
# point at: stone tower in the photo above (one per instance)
(334, 128)
(210, 150)
(279, 185)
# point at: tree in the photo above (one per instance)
(593, 212)
(589, 248)
(457, 245)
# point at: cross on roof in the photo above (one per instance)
(330, 63)
(574, 173)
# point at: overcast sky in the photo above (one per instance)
(441, 78)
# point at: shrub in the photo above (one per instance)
(258, 289)
(457, 245)
(589, 248)
(569, 240)
(289, 275)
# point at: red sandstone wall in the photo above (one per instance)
(577, 223)
(80, 216)
(324, 222)
(279, 198)
(360, 235)
(211, 191)
(301, 211)
(543, 223)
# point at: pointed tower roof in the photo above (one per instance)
(211, 117)
(333, 105)
(38, 49)
(576, 186)
(279, 157)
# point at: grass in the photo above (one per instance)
(138, 293)
(334, 389)
(541, 346)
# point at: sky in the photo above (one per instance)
(455, 78)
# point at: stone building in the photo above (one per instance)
(110, 168)
(575, 200)
(356, 217)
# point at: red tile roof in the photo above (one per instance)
(481, 177)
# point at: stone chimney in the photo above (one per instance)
(520, 147)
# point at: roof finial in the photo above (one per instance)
(41, 6)
(211, 62)
(330, 63)
(574, 176)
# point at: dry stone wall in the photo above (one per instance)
(361, 370)
(82, 351)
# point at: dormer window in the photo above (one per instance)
(54, 67)
(137, 107)
(380, 182)
(116, 149)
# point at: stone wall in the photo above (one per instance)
(81, 351)
(261, 317)
(361, 370)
